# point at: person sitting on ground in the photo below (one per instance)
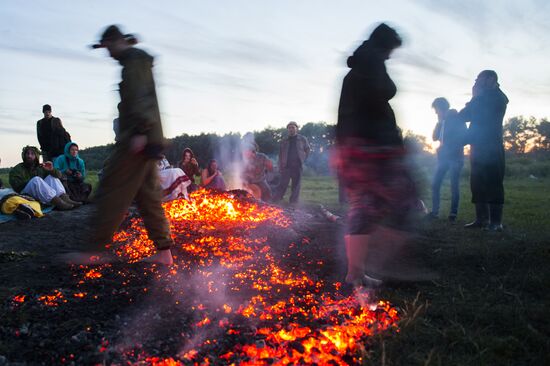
(74, 170)
(253, 176)
(173, 181)
(40, 181)
(190, 167)
(212, 178)
(21, 206)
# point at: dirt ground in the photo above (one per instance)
(55, 313)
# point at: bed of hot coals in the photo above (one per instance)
(246, 288)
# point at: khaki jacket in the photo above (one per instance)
(302, 145)
(138, 109)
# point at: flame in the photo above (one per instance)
(300, 319)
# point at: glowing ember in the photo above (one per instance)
(271, 311)
(19, 299)
(52, 300)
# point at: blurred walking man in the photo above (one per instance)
(132, 173)
(485, 111)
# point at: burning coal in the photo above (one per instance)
(243, 298)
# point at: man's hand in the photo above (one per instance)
(48, 166)
(137, 143)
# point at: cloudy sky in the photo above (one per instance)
(238, 66)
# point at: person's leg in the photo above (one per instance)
(477, 182)
(40, 190)
(441, 170)
(456, 169)
(60, 191)
(122, 179)
(149, 201)
(266, 191)
(283, 185)
(296, 175)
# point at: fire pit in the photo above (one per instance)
(241, 291)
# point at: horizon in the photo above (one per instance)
(247, 66)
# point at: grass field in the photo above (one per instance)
(490, 304)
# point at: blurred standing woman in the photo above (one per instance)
(370, 153)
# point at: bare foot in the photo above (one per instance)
(88, 258)
(161, 257)
(362, 280)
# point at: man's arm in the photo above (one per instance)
(437, 131)
(17, 178)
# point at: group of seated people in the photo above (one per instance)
(180, 181)
(59, 183)
(177, 182)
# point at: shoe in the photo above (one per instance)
(495, 227)
(60, 204)
(452, 218)
(431, 216)
(475, 225)
(65, 197)
(21, 214)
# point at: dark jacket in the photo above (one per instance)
(364, 109)
(21, 174)
(302, 147)
(451, 133)
(485, 113)
(138, 109)
(52, 136)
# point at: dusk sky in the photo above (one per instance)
(238, 66)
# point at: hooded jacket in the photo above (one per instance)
(364, 110)
(67, 161)
(138, 109)
(21, 174)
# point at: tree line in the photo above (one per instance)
(521, 136)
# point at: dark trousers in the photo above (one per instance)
(128, 177)
(487, 175)
(455, 167)
(287, 174)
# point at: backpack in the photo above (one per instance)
(60, 138)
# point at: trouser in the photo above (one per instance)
(44, 190)
(287, 174)
(130, 177)
(455, 167)
(487, 177)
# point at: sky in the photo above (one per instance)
(243, 65)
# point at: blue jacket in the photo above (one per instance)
(66, 161)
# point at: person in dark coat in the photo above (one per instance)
(450, 131)
(370, 155)
(51, 134)
(485, 111)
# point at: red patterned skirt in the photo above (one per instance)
(378, 185)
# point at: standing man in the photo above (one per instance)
(450, 131)
(51, 134)
(293, 151)
(485, 111)
(132, 173)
